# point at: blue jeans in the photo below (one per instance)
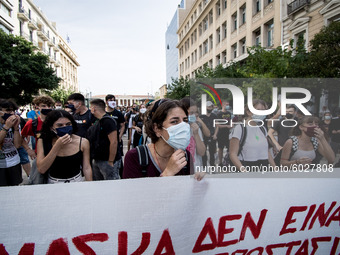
(23, 156)
(33, 142)
(101, 170)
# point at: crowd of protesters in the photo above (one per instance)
(69, 143)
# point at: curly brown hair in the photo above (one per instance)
(43, 100)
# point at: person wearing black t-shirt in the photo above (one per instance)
(222, 130)
(118, 117)
(210, 143)
(106, 161)
(283, 131)
(137, 125)
(111, 109)
(81, 114)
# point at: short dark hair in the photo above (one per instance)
(291, 106)
(52, 117)
(76, 97)
(158, 115)
(99, 103)
(110, 96)
(8, 104)
(187, 102)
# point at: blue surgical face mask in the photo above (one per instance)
(227, 107)
(179, 136)
(64, 130)
(192, 118)
(259, 117)
(328, 117)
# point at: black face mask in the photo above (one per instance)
(45, 111)
(71, 106)
(289, 116)
(209, 110)
(6, 116)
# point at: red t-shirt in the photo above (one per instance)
(132, 168)
(28, 130)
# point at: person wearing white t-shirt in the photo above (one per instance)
(255, 150)
(129, 117)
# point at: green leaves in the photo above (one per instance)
(23, 72)
(59, 94)
(178, 89)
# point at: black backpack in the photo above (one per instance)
(93, 133)
(226, 160)
(143, 158)
(35, 127)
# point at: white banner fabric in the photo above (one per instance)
(173, 215)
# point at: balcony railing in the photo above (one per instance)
(50, 42)
(43, 50)
(52, 59)
(25, 36)
(33, 24)
(296, 5)
(43, 35)
(23, 15)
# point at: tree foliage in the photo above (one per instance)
(322, 61)
(178, 89)
(325, 52)
(60, 94)
(23, 70)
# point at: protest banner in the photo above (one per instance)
(173, 215)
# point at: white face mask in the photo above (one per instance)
(112, 104)
(58, 107)
(179, 136)
(142, 110)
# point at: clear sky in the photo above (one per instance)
(120, 45)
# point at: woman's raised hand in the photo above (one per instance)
(176, 162)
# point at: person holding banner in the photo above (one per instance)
(169, 131)
(249, 148)
(10, 140)
(60, 153)
(307, 145)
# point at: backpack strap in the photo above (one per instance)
(185, 168)
(242, 139)
(143, 158)
(35, 126)
(315, 143)
(263, 129)
(295, 146)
